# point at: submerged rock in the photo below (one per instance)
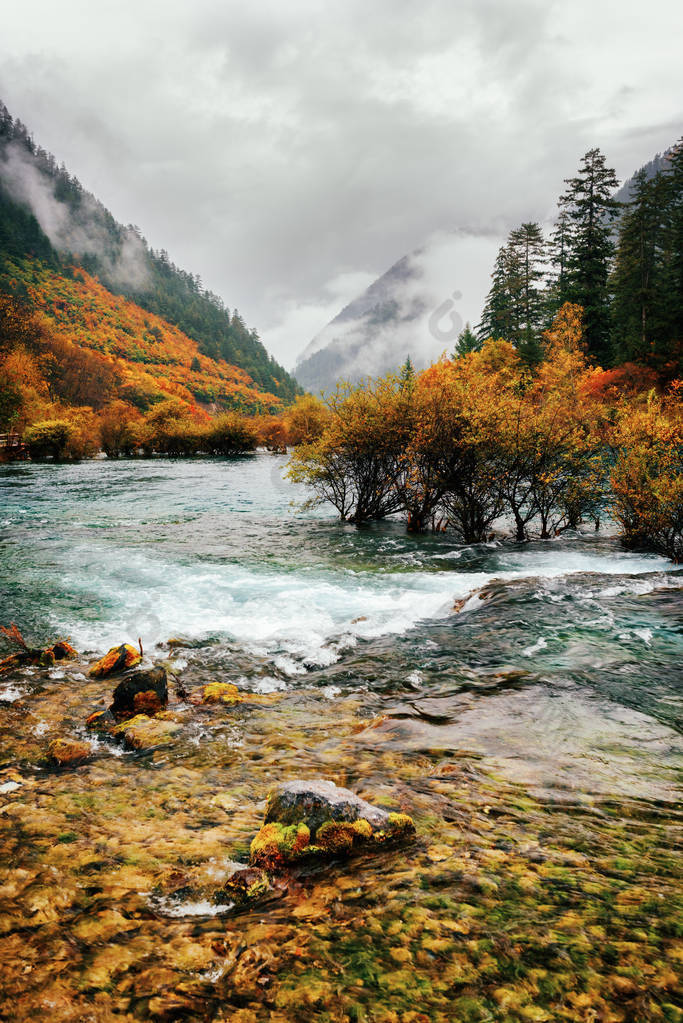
(244, 885)
(101, 721)
(119, 658)
(68, 752)
(318, 818)
(145, 733)
(227, 692)
(141, 692)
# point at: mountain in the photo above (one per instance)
(652, 168)
(416, 309)
(49, 224)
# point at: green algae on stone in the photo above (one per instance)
(332, 822)
(144, 733)
(279, 844)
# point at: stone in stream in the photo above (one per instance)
(244, 885)
(140, 692)
(145, 733)
(101, 721)
(119, 658)
(318, 818)
(228, 693)
(68, 752)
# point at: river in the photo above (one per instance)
(523, 702)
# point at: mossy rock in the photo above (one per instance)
(145, 733)
(245, 886)
(277, 845)
(68, 752)
(320, 819)
(119, 658)
(63, 651)
(141, 692)
(227, 693)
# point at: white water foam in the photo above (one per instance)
(305, 618)
(201, 908)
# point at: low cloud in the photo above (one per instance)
(272, 148)
(416, 309)
(78, 230)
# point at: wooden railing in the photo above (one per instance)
(11, 446)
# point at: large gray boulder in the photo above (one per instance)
(314, 802)
(317, 818)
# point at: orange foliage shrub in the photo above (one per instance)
(647, 478)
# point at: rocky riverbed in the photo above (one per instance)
(532, 738)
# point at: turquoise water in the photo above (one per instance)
(220, 551)
(523, 702)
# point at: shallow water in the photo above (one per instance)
(533, 734)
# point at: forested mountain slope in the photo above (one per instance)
(46, 215)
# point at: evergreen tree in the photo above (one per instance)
(637, 279)
(591, 210)
(529, 245)
(558, 255)
(406, 376)
(672, 256)
(467, 342)
(515, 305)
(500, 317)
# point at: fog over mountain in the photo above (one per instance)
(290, 153)
(416, 309)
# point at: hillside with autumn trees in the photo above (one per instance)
(97, 286)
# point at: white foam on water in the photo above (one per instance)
(535, 648)
(300, 619)
(200, 908)
(10, 694)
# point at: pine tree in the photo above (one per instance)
(591, 210)
(500, 317)
(672, 256)
(515, 305)
(558, 254)
(467, 342)
(637, 279)
(529, 245)
(407, 376)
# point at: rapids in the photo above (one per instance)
(534, 734)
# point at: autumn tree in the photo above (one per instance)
(647, 478)
(357, 460)
(120, 430)
(305, 419)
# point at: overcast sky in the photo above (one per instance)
(290, 152)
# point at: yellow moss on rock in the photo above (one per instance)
(342, 836)
(142, 732)
(119, 658)
(277, 844)
(227, 692)
(68, 752)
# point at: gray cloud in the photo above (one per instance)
(289, 152)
